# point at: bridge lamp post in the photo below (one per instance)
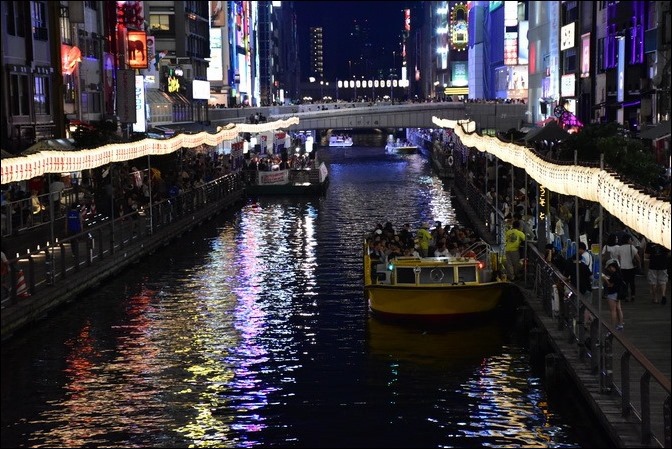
(321, 91)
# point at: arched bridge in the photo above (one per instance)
(488, 116)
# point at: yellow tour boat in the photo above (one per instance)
(434, 287)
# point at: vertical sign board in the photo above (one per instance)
(136, 50)
(621, 70)
(140, 125)
(126, 95)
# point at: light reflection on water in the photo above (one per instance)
(253, 331)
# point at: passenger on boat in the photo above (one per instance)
(394, 251)
(406, 235)
(424, 238)
(388, 230)
(441, 249)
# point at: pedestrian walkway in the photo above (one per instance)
(634, 368)
(648, 325)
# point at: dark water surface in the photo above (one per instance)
(252, 331)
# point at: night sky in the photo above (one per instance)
(386, 21)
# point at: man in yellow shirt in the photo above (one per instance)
(513, 238)
(424, 237)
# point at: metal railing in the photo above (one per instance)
(612, 359)
(57, 262)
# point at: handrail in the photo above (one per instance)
(100, 241)
(601, 356)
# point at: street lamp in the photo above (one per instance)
(321, 90)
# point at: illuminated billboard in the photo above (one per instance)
(200, 90)
(140, 125)
(567, 36)
(136, 49)
(585, 55)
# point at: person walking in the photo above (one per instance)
(610, 248)
(628, 259)
(614, 284)
(513, 238)
(74, 225)
(659, 261)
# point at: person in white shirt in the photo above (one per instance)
(55, 188)
(585, 256)
(441, 249)
(609, 250)
(628, 256)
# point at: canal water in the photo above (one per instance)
(252, 331)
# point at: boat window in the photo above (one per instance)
(405, 275)
(437, 275)
(466, 274)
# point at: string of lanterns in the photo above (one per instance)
(22, 168)
(637, 210)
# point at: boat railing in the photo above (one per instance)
(480, 248)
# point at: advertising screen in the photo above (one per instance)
(140, 124)
(201, 90)
(136, 50)
(585, 55)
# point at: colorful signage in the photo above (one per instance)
(459, 33)
(126, 96)
(140, 125)
(136, 49)
(70, 56)
(568, 85)
(585, 55)
(511, 48)
(620, 91)
(567, 36)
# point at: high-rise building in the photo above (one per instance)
(316, 53)
(360, 42)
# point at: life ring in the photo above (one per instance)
(450, 161)
(436, 274)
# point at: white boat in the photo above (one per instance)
(400, 146)
(340, 141)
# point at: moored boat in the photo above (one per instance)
(300, 181)
(434, 287)
(401, 148)
(340, 141)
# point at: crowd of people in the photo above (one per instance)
(386, 242)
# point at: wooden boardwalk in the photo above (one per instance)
(647, 328)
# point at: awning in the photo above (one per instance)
(551, 132)
(160, 107)
(659, 131)
(51, 145)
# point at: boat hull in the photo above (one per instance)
(406, 149)
(434, 302)
(288, 189)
